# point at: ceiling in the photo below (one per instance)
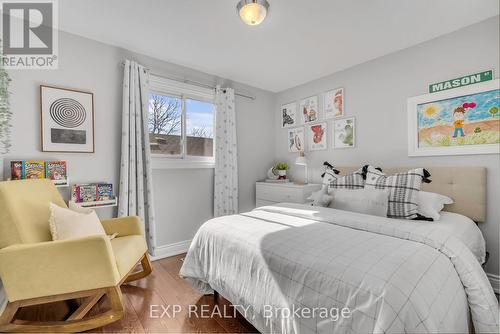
(300, 40)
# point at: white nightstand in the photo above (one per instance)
(267, 193)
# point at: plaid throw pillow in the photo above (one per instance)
(330, 173)
(355, 180)
(404, 188)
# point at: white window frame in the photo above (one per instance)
(164, 86)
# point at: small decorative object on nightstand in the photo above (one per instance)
(281, 168)
(271, 193)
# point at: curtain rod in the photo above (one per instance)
(196, 83)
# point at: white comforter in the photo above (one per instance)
(394, 276)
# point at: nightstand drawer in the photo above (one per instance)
(262, 202)
(277, 194)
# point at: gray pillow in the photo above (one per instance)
(368, 201)
(321, 197)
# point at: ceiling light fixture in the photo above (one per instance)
(253, 12)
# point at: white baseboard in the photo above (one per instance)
(495, 282)
(177, 248)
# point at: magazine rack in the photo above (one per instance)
(98, 204)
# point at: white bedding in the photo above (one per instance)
(462, 228)
(394, 275)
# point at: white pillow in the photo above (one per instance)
(369, 201)
(430, 204)
(321, 197)
(73, 223)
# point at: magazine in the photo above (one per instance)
(16, 170)
(84, 193)
(56, 171)
(34, 169)
(104, 191)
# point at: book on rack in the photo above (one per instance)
(16, 170)
(34, 170)
(84, 193)
(104, 191)
(57, 172)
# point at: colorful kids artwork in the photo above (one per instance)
(309, 109)
(464, 120)
(457, 121)
(288, 115)
(334, 103)
(317, 136)
(344, 134)
(296, 140)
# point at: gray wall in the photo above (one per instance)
(376, 93)
(183, 198)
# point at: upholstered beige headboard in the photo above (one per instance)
(465, 185)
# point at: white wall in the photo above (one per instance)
(376, 93)
(183, 198)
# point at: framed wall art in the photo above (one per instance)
(67, 120)
(344, 132)
(309, 109)
(289, 115)
(333, 102)
(296, 139)
(317, 136)
(457, 121)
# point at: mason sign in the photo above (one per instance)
(462, 81)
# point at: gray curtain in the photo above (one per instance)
(226, 158)
(136, 193)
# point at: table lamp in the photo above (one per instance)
(302, 161)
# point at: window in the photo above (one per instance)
(181, 124)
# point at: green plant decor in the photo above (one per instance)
(5, 113)
(281, 166)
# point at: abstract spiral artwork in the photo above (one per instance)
(67, 120)
(67, 112)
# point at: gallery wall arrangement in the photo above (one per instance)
(458, 116)
(308, 126)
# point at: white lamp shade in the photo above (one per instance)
(301, 160)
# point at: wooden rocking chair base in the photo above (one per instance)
(76, 321)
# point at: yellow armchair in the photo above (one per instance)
(36, 270)
(124, 226)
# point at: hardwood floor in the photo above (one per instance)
(148, 299)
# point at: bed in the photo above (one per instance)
(293, 268)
